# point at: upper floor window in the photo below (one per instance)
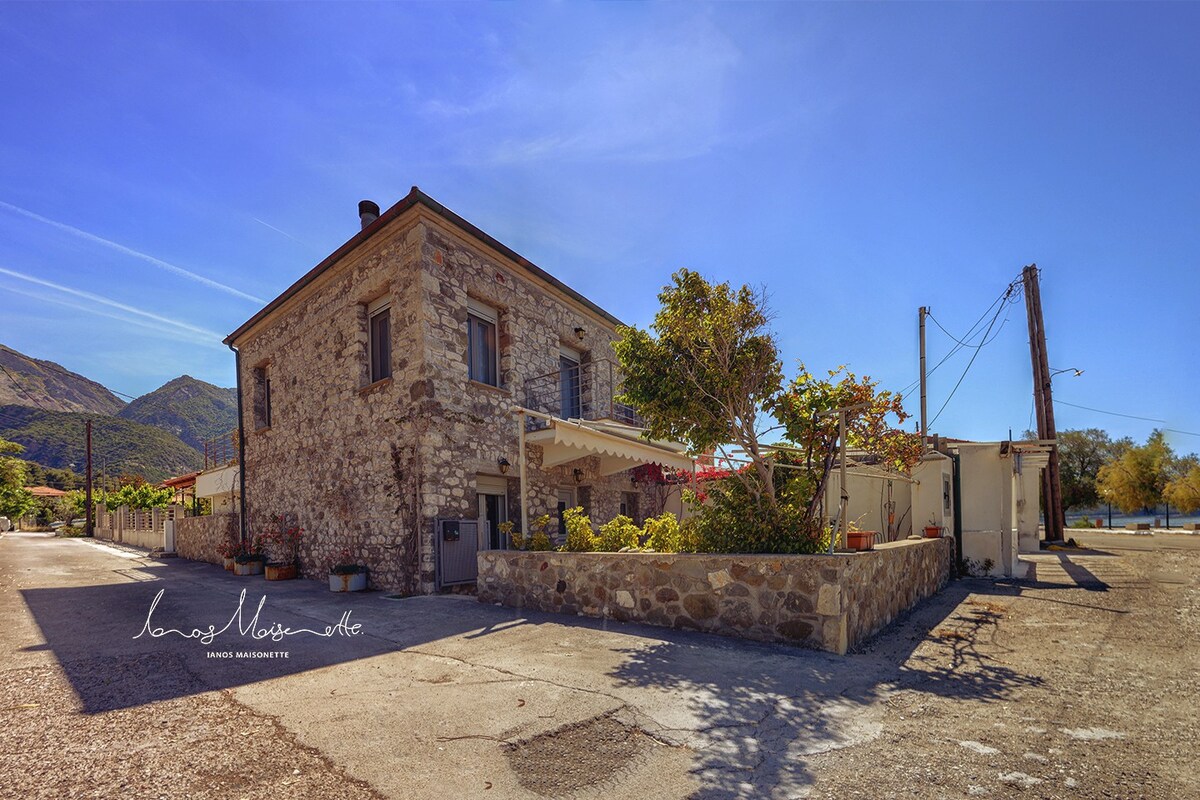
(379, 337)
(262, 398)
(483, 356)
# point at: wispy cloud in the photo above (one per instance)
(197, 333)
(660, 95)
(282, 233)
(120, 248)
(163, 331)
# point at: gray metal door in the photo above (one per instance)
(458, 546)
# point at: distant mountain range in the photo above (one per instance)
(26, 381)
(193, 410)
(43, 406)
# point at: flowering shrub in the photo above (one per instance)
(250, 551)
(283, 540)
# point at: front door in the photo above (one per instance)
(493, 509)
(566, 499)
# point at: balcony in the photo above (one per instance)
(586, 391)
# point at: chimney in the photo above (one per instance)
(368, 212)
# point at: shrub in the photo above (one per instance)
(619, 532)
(729, 520)
(539, 541)
(580, 537)
(1082, 522)
(515, 537)
(663, 534)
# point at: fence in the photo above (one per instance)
(580, 391)
(153, 529)
(221, 451)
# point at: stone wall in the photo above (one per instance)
(200, 538)
(371, 467)
(826, 602)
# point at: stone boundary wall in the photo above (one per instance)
(199, 538)
(820, 601)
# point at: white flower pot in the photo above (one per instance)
(353, 582)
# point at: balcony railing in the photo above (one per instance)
(221, 451)
(580, 391)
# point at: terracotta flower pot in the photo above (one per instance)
(860, 540)
(933, 532)
(229, 562)
(281, 572)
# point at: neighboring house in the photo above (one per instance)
(995, 487)
(378, 393)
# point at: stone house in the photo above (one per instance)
(377, 398)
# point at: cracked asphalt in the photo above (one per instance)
(1080, 683)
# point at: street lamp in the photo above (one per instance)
(1077, 372)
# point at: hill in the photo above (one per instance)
(57, 439)
(33, 382)
(188, 408)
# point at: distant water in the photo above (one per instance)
(1121, 520)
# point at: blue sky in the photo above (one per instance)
(165, 168)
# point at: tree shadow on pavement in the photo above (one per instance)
(759, 722)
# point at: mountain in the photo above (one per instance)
(32, 382)
(57, 439)
(188, 408)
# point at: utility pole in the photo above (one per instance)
(1043, 401)
(90, 530)
(924, 411)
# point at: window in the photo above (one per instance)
(262, 398)
(379, 338)
(570, 384)
(482, 354)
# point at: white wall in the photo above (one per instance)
(867, 508)
(221, 487)
(933, 496)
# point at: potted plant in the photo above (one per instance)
(283, 542)
(229, 550)
(857, 539)
(933, 530)
(347, 576)
(249, 560)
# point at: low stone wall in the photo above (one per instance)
(826, 602)
(200, 538)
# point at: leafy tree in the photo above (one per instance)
(1081, 454)
(708, 374)
(15, 499)
(1183, 491)
(139, 496)
(1136, 479)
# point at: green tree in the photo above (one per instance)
(139, 496)
(1136, 479)
(708, 374)
(15, 499)
(1081, 454)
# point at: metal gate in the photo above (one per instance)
(457, 551)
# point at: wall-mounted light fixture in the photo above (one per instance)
(504, 465)
(578, 473)
(579, 333)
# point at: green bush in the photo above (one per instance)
(728, 519)
(580, 538)
(619, 532)
(1083, 522)
(664, 534)
(540, 541)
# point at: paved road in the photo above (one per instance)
(1078, 684)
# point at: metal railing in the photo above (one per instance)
(583, 391)
(221, 451)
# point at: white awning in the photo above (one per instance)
(568, 440)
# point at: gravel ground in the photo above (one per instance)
(203, 745)
(1079, 684)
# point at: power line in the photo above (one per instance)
(1126, 416)
(1008, 296)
